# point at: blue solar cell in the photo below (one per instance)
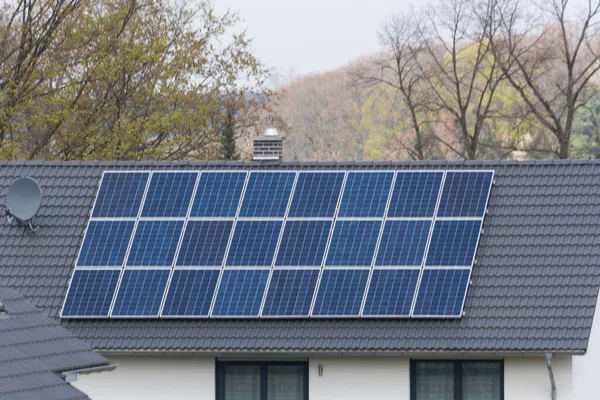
(316, 194)
(218, 194)
(204, 243)
(391, 292)
(141, 292)
(267, 194)
(253, 243)
(240, 292)
(91, 293)
(365, 194)
(403, 243)
(105, 243)
(303, 243)
(341, 292)
(353, 243)
(415, 194)
(169, 194)
(191, 292)
(453, 243)
(154, 243)
(120, 195)
(290, 292)
(441, 292)
(465, 194)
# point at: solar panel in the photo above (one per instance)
(120, 195)
(341, 292)
(303, 243)
(453, 243)
(141, 292)
(316, 194)
(204, 243)
(253, 243)
(169, 194)
(353, 243)
(391, 292)
(415, 194)
(91, 293)
(403, 243)
(190, 292)
(240, 292)
(279, 244)
(267, 194)
(290, 292)
(154, 243)
(465, 194)
(442, 292)
(218, 194)
(105, 243)
(366, 194)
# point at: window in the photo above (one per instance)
(457, 380)
(252, 380)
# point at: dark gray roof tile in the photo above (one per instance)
(534, 284)
(34, 350)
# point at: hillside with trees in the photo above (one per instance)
(459, 79)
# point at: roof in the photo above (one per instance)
(35, 350)
(534, 285)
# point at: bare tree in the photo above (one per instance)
(460, 72)
(397, 68)
(549, 55)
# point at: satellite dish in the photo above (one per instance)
(23, 200)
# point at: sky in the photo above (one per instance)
(297, 37)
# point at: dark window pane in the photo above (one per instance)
(435, 380)
(482, 380)
(241, 382)
(285, 382)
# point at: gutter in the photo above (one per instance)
(548, 357)
(72, 376)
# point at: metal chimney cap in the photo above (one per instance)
(271, 132)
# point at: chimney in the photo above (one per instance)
(269, 146)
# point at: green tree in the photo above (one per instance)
(228, 138)
(138, 79)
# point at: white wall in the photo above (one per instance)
(359, 378)
(348, 378)
(586, 369)
(152, 378)
(527, 378)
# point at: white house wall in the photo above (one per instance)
(527, 378)
(359, 378)
(152, 378)
(586, 369)
(347, 378)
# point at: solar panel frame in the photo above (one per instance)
(69, 293)
(103, 180)
(292, 208)
(259, 273)
(284, 218)
(410, 292)
(159, 293)
(210, 295)
(459, 305)
(193, 215)
(174, 213)
(254, 212)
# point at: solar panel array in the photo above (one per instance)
(229, 244)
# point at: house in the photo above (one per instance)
(40, 360)
(523, 331)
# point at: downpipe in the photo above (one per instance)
(551, 374)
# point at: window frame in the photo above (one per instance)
(220, 376)
(458, 375)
